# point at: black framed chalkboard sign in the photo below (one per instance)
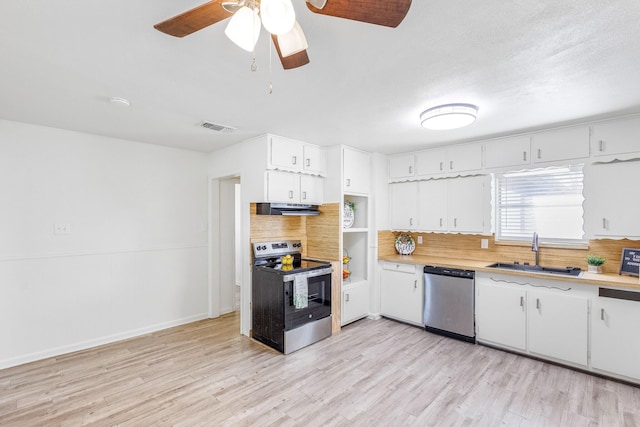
(630, 261)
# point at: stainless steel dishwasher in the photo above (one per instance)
(449, 296)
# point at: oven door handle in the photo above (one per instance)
(312, 273)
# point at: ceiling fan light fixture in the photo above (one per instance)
(449, 116)
(244, 28)
(278, 16)
(292, 42)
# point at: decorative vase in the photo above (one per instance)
(348, 215)
(594, 268)
(405, 244)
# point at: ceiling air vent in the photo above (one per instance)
(216, 127)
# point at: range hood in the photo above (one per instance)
(288, 209)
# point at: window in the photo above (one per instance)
(547, 201)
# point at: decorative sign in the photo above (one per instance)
(630, 261)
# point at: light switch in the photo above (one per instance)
(62, 229)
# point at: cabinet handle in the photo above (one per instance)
(601, 146)
(410, 170)
(539, 153)
(308, 162)
(455, 222)
(604, 223)
(410, 221)
(304, 195)
(602, 314)
(524, 156)
(415, 284)
(294, 160)
(346, 297)
(440, 165)
(451, 165)
(291, 194)
(440, 222)
(348, 182)
(522, 302)
(538, 303)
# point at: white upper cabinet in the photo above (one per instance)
(561, 144)
(356, 171)
(611, 205)
(314, 159)
(284, 187)
(432, 205)
(295, 156)
(617, 137)
(431, 162)
(466, 204)
(401, 167)
(461, 158)
(404, 205)
(506, 152)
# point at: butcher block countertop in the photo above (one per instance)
(603, 279)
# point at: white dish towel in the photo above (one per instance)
(300, 292)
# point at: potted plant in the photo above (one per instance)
(595, 263)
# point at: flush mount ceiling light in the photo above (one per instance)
(449, 116)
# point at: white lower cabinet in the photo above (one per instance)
(355, 302)
(614, 329)
(501, 314)
(401, 292)
(534, 316)
(558, 325)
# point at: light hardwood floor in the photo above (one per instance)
(373, 373)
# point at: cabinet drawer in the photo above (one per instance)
(402, 268)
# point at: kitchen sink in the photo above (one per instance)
(567, 271)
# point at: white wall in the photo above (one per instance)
(135, 260)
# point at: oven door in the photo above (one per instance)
(317, 284)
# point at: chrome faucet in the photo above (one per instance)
(535, 247)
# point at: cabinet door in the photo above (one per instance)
(431, 162)
(508, 152)
(283, 187)
(432, 205)
(614, 344)
(404, 204)
(356, 171)
(315, 160)
(466, 204)
(500, 314)
(401, 293)
(558, 326)
(285, 154)
(613, 210)
(620, 136)
(562, 144)
(401, 167)
(311, 189)
(464, 158)
(355, 303)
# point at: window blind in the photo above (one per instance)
(547, 201)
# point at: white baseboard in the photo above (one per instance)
(84, 345)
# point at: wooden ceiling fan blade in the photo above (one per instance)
(292, 61)
(194, 20)
(379, 12)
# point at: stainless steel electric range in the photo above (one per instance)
(291, 296)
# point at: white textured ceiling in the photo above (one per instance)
(526, 64)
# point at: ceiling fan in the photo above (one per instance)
(278, 18)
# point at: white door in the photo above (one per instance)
(466, 204)
(432, 205)
(315, 160)
(401, 295)
(283, 187)
(501, 314)
(404, 205)
(285, 154)
(355, 302)
(558, 325)
(356, 171)
(311, 189)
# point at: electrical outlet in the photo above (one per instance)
(484, 243)
(419, 240)
(62, 229)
